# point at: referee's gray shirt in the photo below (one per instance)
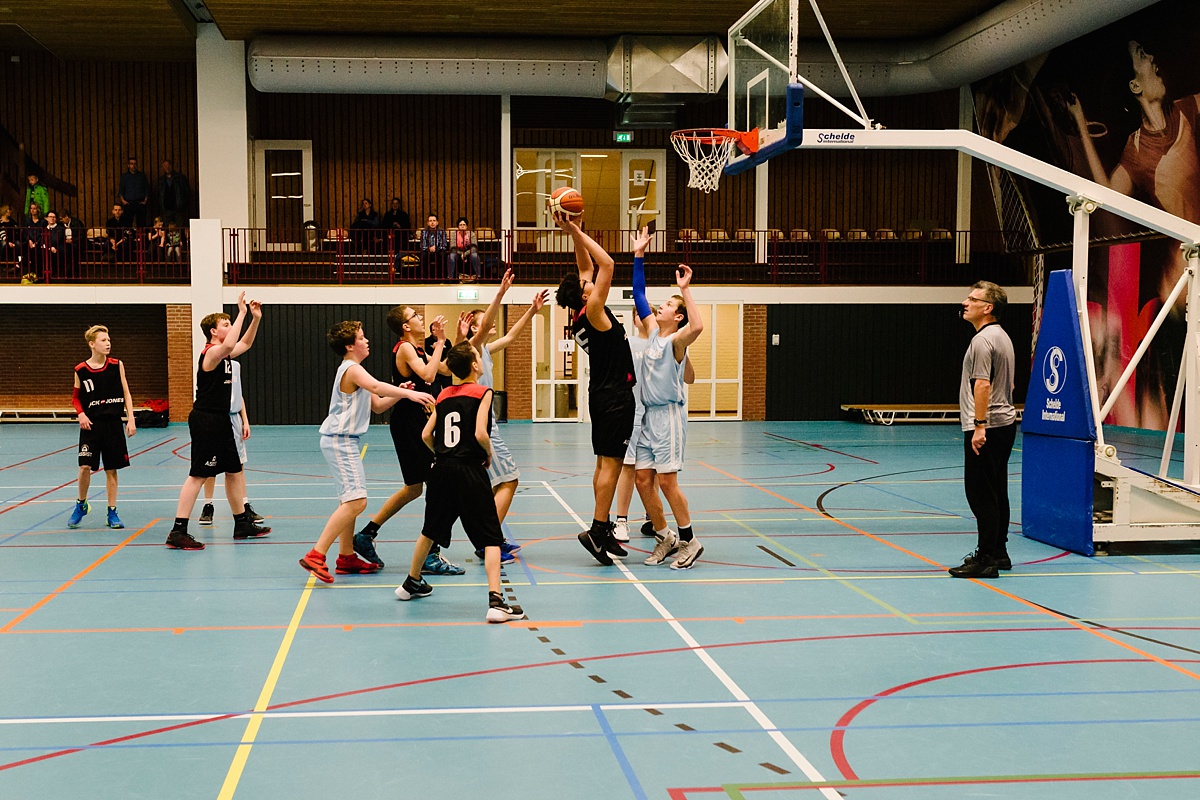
(989, 357)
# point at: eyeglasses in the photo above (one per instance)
(978, 299)
(410, 316)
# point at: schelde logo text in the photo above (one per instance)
(846, 136)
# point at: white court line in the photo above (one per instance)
(373, 712)
(757, 713)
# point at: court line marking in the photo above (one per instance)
(264, 697)
(981, 583)
(12, 623)
(754, 711)
(35, 458)
(828, 573)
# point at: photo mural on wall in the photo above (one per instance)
(1119, 106)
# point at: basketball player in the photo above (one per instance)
(610, 384)
(240, 422)
(502, 470)
(411, 366)
(101, 394)
(458, 433)
(213, 447)
(664, 422)
(355, 395)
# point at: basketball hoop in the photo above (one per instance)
(706, 151)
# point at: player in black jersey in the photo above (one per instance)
(213, 448)
(458, 433)
(415, 367)
(101, 394)
(610, 384)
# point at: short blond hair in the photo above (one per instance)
(90, 334)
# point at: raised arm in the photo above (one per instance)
(479, 340)
(539, 301)
(695, 326)
(640, 243)
(247, 339)
(583, 260)
(1119, 181)
(224, 349)
(601, 278)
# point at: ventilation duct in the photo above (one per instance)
(1009, 34)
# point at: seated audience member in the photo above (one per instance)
(10, 235)
(363, 229)
(464, 248)
(366, 218)
(433, 246)
(397, 219)
(174, 242)
(120, 235)
(156, 241)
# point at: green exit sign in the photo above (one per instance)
(623, 137)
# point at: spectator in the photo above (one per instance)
(397, 219)
(120, 237)
(34, 218)
(54, 242)
(35, 193)
(367, 218)
(433, 246)
(175, 243)
(32, 238)
(74, 234)
(174, 195)
(365, 229)
(156, 241)
(10, 249)
(463, 247)
(134, 194)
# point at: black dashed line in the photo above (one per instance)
(654, 711)
(543, 639)
(775, 769)
(597, 679)
(576, 665)
(775, 555)
(683, 727)
(622, 694)
(557, 652)
(730, 748)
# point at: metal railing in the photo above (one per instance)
(937, 257)
(132, 256)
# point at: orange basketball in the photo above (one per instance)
(566, 200)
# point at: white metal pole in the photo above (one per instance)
(1169, 444)
(1191, 350)
(1082, 209)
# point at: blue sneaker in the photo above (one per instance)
(81, 508)
(435, 564)
(506, 556)
(364, 545)
(510, 547)
(113, 520)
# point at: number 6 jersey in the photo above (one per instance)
(454, 432)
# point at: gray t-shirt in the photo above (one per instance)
(989, 357)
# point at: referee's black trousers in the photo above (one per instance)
(985, 477)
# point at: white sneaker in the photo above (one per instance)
(666, 545)
(689, 552)
(621, 531)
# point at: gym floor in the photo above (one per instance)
(817, 649)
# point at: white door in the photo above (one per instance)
(283, 192)
(559, 369)
(642, 189)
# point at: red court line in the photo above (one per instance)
(113, 551)
(35, 458)
(73, 480)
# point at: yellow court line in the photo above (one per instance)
(264, 698)
(363, 454)
(848, 584)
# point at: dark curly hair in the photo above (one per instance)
(570, 292)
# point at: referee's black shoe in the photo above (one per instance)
(976, 565)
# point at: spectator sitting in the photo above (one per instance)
(433, 246)
(120, 237)
(174, 242)
(397, 219)
(174, 195)
(156, 241)
(34, 218)
(134, 194)
(463, 246)
(9, 238)
(35, 193)
(367, 218)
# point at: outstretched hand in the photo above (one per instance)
(683, 276)
(241, 302)
(565, 222)
(641, 241)
(423, 398)
(464, 324)
(256, 309)
(506, 282)
(438, 328)
(539, 300)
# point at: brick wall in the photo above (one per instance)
(179, 360)
(43, 343)
(518, 369)
(754, 363)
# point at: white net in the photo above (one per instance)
(706, 152)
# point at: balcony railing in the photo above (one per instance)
(940, 257)
(38, 255)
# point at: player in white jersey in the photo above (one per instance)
(664, 422)
(355, 395)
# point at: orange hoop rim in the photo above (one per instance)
(747, 141)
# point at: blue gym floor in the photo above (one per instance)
(818, 648)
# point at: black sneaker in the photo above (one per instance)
(249, 530)
(594, 542)
(1002, 562)
(411, 589)
(364, 545)
(182, 540)
(206, 514)
(255, 517)
(648, 529)
(611, 544)
(975, 565)
(500, 611)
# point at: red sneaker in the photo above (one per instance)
(353, 565)
(314, 562)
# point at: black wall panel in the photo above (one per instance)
(287, 375)
(833, 354)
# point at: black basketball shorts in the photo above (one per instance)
(213, 449)
(458, 490)
(414, 457)
(107, 438)
(612, 421)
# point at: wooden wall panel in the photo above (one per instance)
(439, 155)
(81, 120)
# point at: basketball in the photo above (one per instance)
(566, 200)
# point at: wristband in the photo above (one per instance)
(980, 422)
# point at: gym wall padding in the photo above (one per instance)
(833, 354)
